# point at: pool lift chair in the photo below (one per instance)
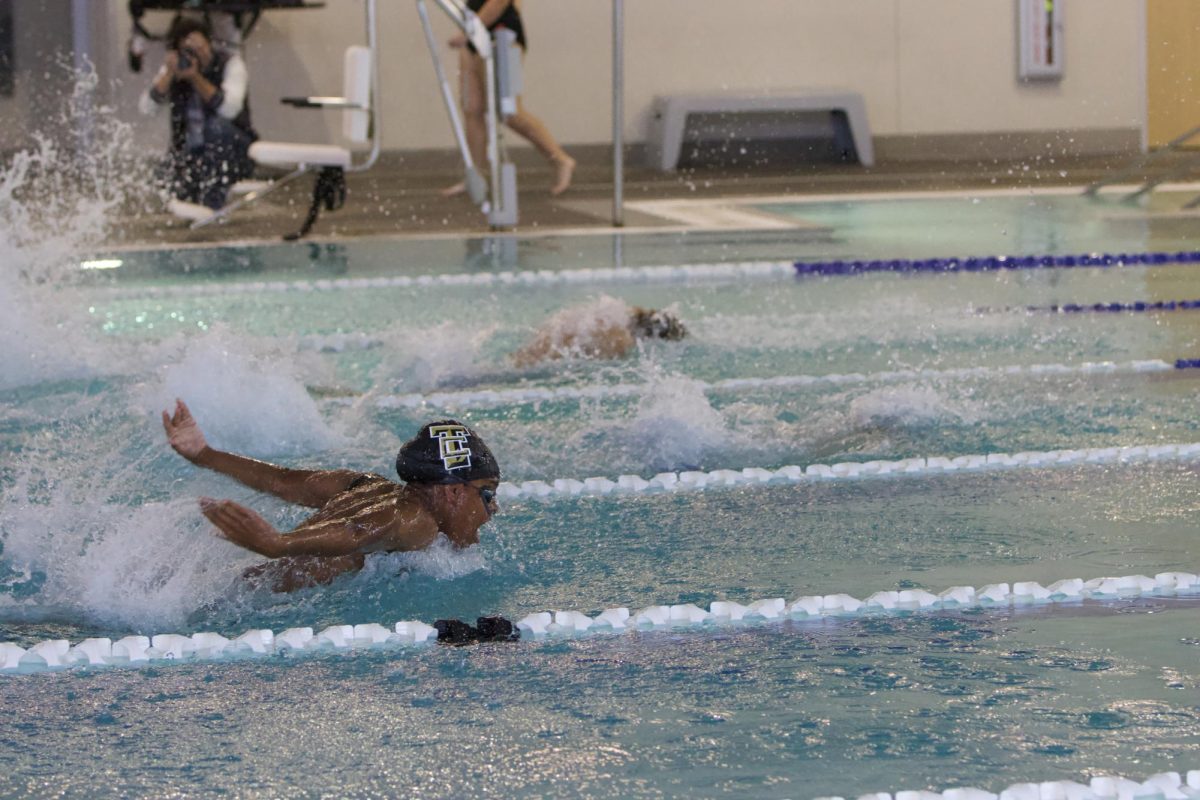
(1149, 185)
(360, 124)
(497, 196)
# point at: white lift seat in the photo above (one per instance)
(330, 161)
(287, 154)
(669, 117)
(356, 119)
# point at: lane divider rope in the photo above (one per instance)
(991, 263)
(1163, 786)
(665, 273)
(694, 480)
(490, 398)
(542, 277)
(1135, 307)
(59, 654)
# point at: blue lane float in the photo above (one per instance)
(664, 273)
(995, 263)
(1136, 307)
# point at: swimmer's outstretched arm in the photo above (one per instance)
(304, 487)
(366, 533)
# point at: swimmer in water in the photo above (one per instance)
(450, 480)
(608, 328)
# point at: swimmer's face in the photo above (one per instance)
(485, 489)
(471, 505)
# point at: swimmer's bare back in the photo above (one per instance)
(601, 339)
(375, 515)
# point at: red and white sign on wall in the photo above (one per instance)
(1040, 37)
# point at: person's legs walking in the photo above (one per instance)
(473, 99)
(473, 96)
(533, 129)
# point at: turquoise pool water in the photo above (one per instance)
(100, 535)
(990, 223)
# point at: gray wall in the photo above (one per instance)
(925, 67)
(41, 40)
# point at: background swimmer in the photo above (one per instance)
(608, 328)
(450, 480)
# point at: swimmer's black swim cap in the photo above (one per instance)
(445, 452)
(652, 323)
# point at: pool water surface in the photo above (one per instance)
(100, 534)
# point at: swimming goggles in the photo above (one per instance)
(488, 496)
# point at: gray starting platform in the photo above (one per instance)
(669, 119)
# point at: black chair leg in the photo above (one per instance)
(329, 191)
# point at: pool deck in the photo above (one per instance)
(402, 195)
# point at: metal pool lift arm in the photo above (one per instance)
(501, 206)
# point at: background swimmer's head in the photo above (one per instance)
(446, 452)
(653, 323)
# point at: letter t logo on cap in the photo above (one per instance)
(452, 445)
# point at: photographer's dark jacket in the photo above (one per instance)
(227, 72)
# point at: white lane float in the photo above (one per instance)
(134, 650)
(695, 480)
(769, 270)
(1162, 786)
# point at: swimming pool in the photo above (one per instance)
(318, 354)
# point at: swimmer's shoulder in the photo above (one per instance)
(370, 479)
(411, 525)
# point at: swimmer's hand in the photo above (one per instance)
(183, 434)
(243, 527)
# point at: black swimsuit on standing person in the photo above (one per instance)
(510, 19)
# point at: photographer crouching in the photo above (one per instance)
(205, 88)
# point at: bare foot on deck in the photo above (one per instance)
(455, 190)
(565, 166)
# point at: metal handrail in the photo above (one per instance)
(1147, 185)
(373, 102)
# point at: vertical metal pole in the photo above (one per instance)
(460, 136)
(375, 100)
(493, 130)
(618, 114)
(84, 83)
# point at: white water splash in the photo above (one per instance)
(428, 356)
(441, 560)
(58, 199)
(674, 426)
(901, 406)
(105, 562)
(248, 396)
